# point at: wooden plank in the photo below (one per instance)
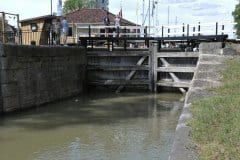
(119, 82)
(116, 68)
(178, 54)
(117, 53)
(179, 84)
(176, 69)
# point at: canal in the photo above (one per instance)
(129, 126)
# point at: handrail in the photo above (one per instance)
(211, 28)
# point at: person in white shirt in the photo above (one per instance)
(64, 29)
(117, 24)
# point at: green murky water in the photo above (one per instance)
(131, 126)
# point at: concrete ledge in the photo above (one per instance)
(183, 147)
(207, 75)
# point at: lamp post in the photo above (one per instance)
(51, 27)
(51, 8)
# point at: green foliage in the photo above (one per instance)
(216, 120)
(72, 5)
(236, 15)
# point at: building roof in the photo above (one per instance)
(85, 15)
(93, 16)
(46, 17)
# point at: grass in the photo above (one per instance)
(216, 120)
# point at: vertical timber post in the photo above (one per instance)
(162, 31)
(89, 31)
(199, 28)
(222, 29)
(193, 31)
(216, 28)
(188, 30)
(183, 30)
(153, 64)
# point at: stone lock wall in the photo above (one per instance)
(34, 75)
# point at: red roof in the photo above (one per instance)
(87, 15)
(46, 17)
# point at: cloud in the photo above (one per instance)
(205, 6)
(200, 6)
(210, 13)
(177, 1)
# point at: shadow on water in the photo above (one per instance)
(98, 109)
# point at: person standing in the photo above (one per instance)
(64, 28)
(117, 24)
(106, 22)
(57, 31)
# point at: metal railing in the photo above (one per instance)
(215, 28)
(45, 37)
(99, 31)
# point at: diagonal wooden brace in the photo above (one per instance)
(131, 74)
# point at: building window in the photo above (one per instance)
(70, 31)
(34, 27)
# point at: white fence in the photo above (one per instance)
(216, 28)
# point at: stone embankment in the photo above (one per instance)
(207, 75)
(34, 75)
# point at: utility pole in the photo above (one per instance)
(3, 27)
(168, 14)
(143, 12)
(51, 8)
(51, 28)
(149, 16)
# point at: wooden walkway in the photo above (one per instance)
(136, 42)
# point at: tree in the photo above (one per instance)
(236, 15)
(72, 5)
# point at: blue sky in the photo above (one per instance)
(180, 11)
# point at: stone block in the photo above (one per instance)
(211, 58)
(28, 100)
(205, 83)
(10, 89)
(210, 48)
(8, 76)
(197, 94)
(235, 47)
(209, 67)
(208, 75)
(229, 51)
(11, 103)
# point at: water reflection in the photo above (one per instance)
(124, 126)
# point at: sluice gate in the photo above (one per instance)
(150, 63)
(120, 70)
(147, 69)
